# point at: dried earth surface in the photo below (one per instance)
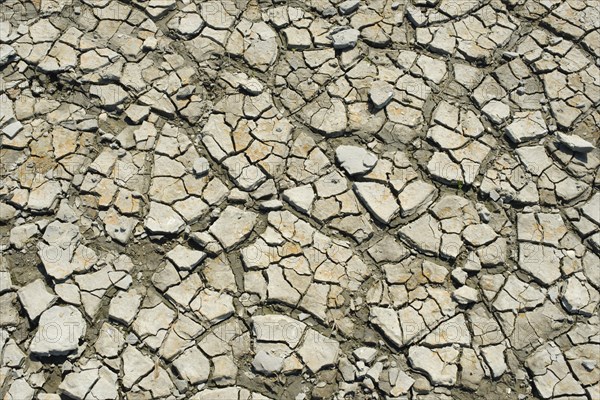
(359, 199)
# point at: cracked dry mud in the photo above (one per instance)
(325, 199)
